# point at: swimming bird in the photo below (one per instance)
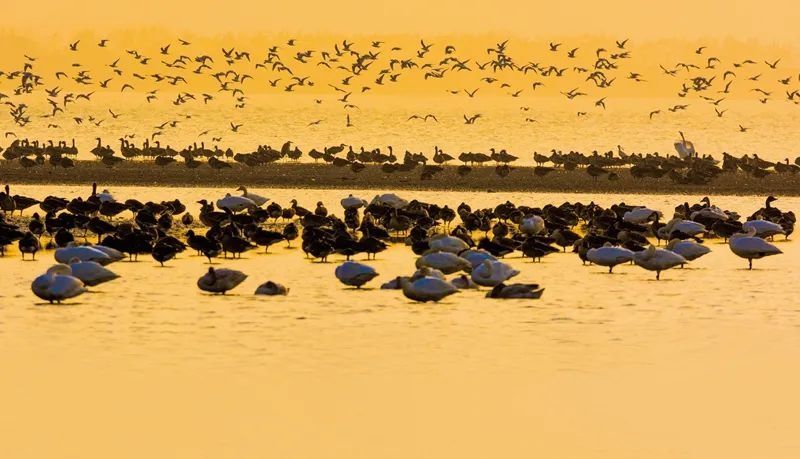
(57, 284)
(220, 280)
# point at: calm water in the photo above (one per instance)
(701, 364)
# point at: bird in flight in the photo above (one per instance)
(74, 46)
(743, 129)
(471, 119)
(235, 127)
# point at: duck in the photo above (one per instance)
(270, 288)
(82, 253)
(220, 280)
(257, 199)
(688, 249)
(491, 273)
(658, 260)
(91, 273)
(516, 291)
(609, 255)
(427, 289)
(235, 203)
(57, 284)
(748, 245)
(446, 262)
(355, 274)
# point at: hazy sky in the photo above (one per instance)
(775, 20)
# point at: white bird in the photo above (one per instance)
(57, 284)
(711, 212)
(747, 245)
(476, 257)
(271, 288)
(390, 199)
(82, 253)
(220, 280)
(445, 262)
(492, 273)
(658, 260)
(609, 256)
(690, 250)
(446, 243)
(257, 199)
(532, 225)
(106, 196)
(426, 271)
(114, 254)
(763, 228)
(355, 274)
(91, 273)
(640, 215)
(689, 227)
(352, 202)
(427, 289)
(463, 282)
(235, 203)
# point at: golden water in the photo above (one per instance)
(700, 364)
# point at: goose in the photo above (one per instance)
(91, 273)
(609, 256)
(748, 245)
(29, 244)
(235, 203)
(257, 200)
(476, 257)
(445, 262)
(658, 260)
(463, 282)
(689, 250)
(532, 225)
(220, 280)
(352, 202)
(763, 228)
(491, 273)
(271, 288)
(445, 243)
(82, 253)
(57, 284)
(516, 291)
(427, 289)
(354, 274)
(640, 215)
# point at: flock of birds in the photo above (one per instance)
(687, 167)
(464, 243)
(178, 76)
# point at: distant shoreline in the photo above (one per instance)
(306, 175)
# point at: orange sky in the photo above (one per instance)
(774, 21)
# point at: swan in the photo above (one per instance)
(82, 253)
(220, 280)
(389, 199)
(640, 215)
(492, 273)
(91, 273)
(426, 271)
(463, 282)
(711, 212)
(114, 254)
(445, 243)
(657, 260)
(763, 228)
(106, 196)
(748, 245)
(427, 289)
(476, 257)
(529, 291)
(57, 284)
(445, 262)
(689, 227)
(235, 203)
(532, 225)
(355, 274)
(257, 200)
(352, 202)
(609, 256)
(690, 250)
(271, 288)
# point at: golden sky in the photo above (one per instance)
(773, 21)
